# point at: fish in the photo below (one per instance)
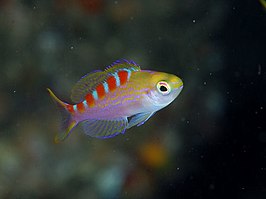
(106, 103)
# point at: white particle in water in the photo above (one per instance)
(194, 21)
(211, 186)
(259, 69)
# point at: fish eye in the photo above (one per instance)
(163, 87)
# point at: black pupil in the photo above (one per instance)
(163, 88)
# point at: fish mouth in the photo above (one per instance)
(178, 84)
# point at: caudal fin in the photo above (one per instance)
(68, 123)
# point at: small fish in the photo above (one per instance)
(108, 102)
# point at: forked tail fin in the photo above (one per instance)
(68, 123)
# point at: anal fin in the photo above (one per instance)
(139, 119)
(104, 128)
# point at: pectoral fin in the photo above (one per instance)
(139, 119)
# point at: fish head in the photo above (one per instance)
(164, 88)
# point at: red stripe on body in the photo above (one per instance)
(111, 83)
(70, 108)
(90, 100)
(123, 77)
(100, 91)
(81, 107)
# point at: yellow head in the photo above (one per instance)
(166, 87)
(162, 88)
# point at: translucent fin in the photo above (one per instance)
(104, 128)
(139, 119)
(122, 64)
(67, 123)
(89, 82)
(86, 84)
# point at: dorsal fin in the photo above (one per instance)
(89, 82)
(122, 64)
(86, 84)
